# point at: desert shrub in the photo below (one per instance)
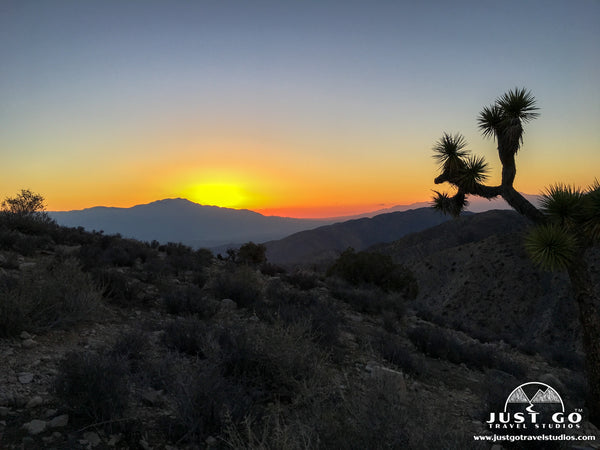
(302, 279)
(23, 244)
(371, 300)
(8, 238)
(273, 430)
(392, 349)
(71, 235)
(115, 285)
(131, 347)
(439, 343)
(239, 283)
(38, 223)
(204, 402)
(301, 307)
(270, 269)
(112, 251)
(189, 300)
(181, 258)
(251, 254)
(186, 335)
(274, 361)
(372, 417)
(563, 355)
(92, 385)
(56, 295)
(375, 269)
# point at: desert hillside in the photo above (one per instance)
(113, 343)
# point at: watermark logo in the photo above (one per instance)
(534, 406)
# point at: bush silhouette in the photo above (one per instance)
(374, 269)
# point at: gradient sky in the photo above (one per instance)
(301, 108)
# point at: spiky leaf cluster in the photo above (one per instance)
(563, 204)
(449, 152)
(474, 171)
(447, 204)
(505, 118)
(459, 168)
(551, 246)
(573, 223)
(591, 209)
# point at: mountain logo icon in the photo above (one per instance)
(534, 393)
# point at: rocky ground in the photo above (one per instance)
(186, 361)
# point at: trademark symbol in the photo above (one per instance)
(579, 410)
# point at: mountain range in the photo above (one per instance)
(180, 220)
(327, 242)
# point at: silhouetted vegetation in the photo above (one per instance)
(46, 296)
(93, 385)
(374, 269)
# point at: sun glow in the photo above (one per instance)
(216, 194)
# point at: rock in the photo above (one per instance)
(35, 402)
(114, 439)
(371, 365)
(28, 442)
(211, 441)
(59, 421)
(25, 377)
(50, 413)
(152, 397)
(35, 426)
(25, 335)
(27, 265)
(227, 303)
(380, 371)
(4, 411)
(92, 438)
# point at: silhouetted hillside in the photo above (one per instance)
(325, 243)
(179, 220)
(462, 230)
(474, 275)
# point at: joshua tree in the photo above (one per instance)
(565, 227)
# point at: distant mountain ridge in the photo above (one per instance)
(180, 220)
(326, 242)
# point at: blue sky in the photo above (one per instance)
(295, 104)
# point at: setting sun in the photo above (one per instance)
(216, 194)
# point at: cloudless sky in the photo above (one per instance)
(301, 108)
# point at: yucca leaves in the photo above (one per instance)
(473, 172)
(505, 118)
(449, 205)
(449, 152)
(551, 246)
(563, 204)
(518, 104)
(591, 207)
(489, 120)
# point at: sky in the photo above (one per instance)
(295, 108)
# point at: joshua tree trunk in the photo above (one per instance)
(589, 317)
